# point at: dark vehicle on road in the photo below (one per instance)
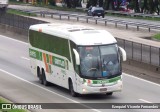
(96, 11)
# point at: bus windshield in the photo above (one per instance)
(99, 61)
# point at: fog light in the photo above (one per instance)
(84, 90)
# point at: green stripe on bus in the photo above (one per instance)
(40, 56)
(47, 56)
(55, 60)
(35, 54)
(107, 80)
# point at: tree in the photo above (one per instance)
(100, 3)
(137, 9)
(109, 3)
(144, 7)
(151, 6)
(157, 6)
(73, 3)
(118, 4)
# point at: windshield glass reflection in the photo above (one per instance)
(99, 61)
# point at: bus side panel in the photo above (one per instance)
(54, 77)
(33, 66)
(35, 59)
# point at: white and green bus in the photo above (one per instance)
(78, 58)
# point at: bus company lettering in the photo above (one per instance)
(59, 62)
(32, 53)
(102, 81)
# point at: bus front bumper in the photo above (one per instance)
(86, 89)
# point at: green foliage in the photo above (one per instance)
(52, 2)
(16, 2)
(131, 5)
(13, 11)
(2, 100)
(157, 36)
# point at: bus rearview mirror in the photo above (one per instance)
(123, 52)
(76, 57)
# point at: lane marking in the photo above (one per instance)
(14, 39)
(144, 101)
(141, 79)
(25, 58)
(47, 90)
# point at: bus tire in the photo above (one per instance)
(72, 92)
(39, 75)
(45, 82)
(109, 94)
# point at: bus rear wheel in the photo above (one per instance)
(72, 92)
(45, 82)
(39, 75)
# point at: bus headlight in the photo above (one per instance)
(81, 81)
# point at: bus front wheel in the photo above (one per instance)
(73, 93)
(109, 94)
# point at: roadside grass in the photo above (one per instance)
(2, 101)
(47, 6)
(16, 2)
(157, 36)
(59, 8)
(17, 12)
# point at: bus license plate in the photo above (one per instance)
(103, 89)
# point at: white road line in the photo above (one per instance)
(141, 79)
(144, 101)
(25, 58)
(14, 39)
(46, 89)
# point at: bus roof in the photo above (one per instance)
(80, 35)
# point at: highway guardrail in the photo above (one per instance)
(135, 51)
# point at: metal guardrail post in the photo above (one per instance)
(149, 29)
(132, 50)
(87, 20)
(150, 54)
(141, 52)
(159, 56)
(126, 26)
(137, 28)
(105, 23)
(77, 18)
(116, 24)
(68, 17)
(124, 46)
(96, 21)
(60, 16)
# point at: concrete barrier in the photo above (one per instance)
(13, 32)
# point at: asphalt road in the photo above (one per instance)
(19, 85)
